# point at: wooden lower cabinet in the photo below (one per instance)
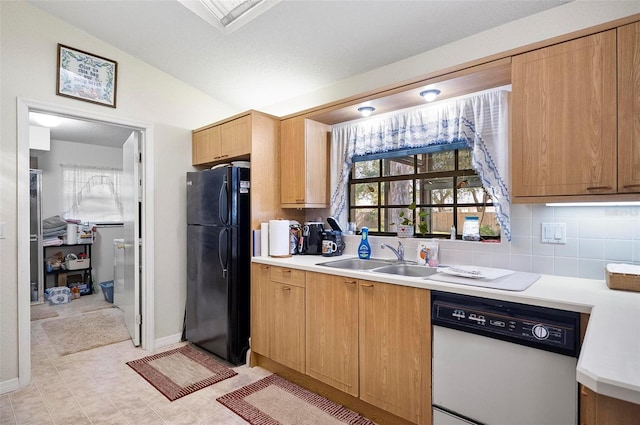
(332, 331)
(598, 409)
(278, 316)
(395, 349)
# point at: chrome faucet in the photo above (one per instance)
(399, 252)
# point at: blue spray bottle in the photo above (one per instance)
(364, 249)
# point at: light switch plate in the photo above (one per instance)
(554, 233)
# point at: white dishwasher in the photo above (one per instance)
(503, 363)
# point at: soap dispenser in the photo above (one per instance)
(364, 249)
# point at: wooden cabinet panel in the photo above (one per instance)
(289, 276)
(332, 331)
(289, 336)
(261, 309)
(395, 349)
(205, 146)
(629, 108)
(564, 136)
(597, 409)
(304, 164)
(235, 137)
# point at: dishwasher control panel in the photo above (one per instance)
(538, 327)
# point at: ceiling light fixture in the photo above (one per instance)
(228, 15)
(430, 95)
(46, 120)
(366, 110)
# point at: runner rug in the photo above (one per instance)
(276, 401)
(86, 331)
(176, 373)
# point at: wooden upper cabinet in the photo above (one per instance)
(395, 349)
(235, 137)
(564, 120)
(629, 108)
(223, 142)
(304, 164)
(332, 330)
(205, 146)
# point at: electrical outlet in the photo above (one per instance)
(554, 233)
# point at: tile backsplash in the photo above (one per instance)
(596, 236)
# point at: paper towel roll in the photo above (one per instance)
(72, 234)
(264, 239)
(279, 238)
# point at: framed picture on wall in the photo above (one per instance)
(86, 76)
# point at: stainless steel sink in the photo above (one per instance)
(410, 270)
(355, 264)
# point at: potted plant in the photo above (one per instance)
(406, 228)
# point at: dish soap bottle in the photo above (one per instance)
(364, 249)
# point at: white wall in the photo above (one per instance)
(28, 46)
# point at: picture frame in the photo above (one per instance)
(85, 76)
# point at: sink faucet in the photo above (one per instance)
(399, 252)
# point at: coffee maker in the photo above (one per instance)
(310, 242)
(332, 244)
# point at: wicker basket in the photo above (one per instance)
(625, 282)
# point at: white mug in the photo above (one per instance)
(329, 247)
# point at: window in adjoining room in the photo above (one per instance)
(92, 194)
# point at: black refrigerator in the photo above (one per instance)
(219, 261)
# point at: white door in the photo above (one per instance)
(127, 296)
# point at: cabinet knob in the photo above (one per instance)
(286, 271)
(367, 285)
(350, 282)
(631, 186)
(599, 188)
(286, 288)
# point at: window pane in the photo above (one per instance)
(393, 219)
(423, 220)
(398, 192)
(398, 166)
(442, 220)
(470, 191)
(438, 161)
(364, 169)
(365, 217)
(364, 194)
(464, 159)
(435, 191)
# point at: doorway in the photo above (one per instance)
(145, 218)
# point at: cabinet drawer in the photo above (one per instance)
(289, 276)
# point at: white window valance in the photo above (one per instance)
(478, 122)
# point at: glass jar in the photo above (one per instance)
(471, 229)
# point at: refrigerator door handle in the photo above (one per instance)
(222, 202)
(223, 248)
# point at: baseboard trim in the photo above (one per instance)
(9, 385)
(168, 340)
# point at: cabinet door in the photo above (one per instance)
(205, 146)
(235, 138)
(395, 349)
(629, 108)
(596, 409)
(304, 164)
(564, 118)
(332, 331)
(288, 338)
(261, 309)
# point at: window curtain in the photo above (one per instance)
(91, 194)
(478, 121)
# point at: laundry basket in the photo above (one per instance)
(107, 290)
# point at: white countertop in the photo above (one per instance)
(609, 361)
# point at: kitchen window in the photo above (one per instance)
(441, 184)
(450, 158)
